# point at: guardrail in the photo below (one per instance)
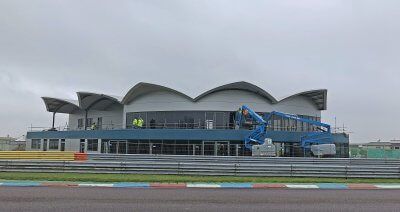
(245, 160)
(37, 155)
(203, 168)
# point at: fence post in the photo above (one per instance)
(399, 171)
(179, 168)
(235, 169)
(122, 167)
(291, 170)
(345, 172)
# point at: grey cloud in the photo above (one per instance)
(55, 48)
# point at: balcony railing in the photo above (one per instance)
(207, 126)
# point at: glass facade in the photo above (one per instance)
(35, 144)
(92, 145)
(213, 120)
(53, 144)
(182, 119)
(207, 148)
(175, 147)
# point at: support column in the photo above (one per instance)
(99, 146)
(54, 118)
(86, 145)
(237, 150)
(86, 121)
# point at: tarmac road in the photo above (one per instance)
(129, 199)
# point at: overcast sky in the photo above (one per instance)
(56, 48)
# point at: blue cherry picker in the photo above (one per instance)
(259, 134)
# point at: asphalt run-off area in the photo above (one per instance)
(192, 199)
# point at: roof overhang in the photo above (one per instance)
(143, 88)
(243, 86)
(96, 101)
(318, 97)
(56, 105)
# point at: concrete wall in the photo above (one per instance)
(112, 118)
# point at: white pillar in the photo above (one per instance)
(86, 145)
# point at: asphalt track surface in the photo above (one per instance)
(130, 199)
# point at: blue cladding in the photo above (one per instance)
(168, 134)
(21, 184)
(132, 185)
(236, 185)
(332, 186)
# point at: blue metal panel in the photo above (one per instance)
(171, 134)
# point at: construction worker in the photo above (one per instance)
(93, 127)
(140, 123)
(135, 123)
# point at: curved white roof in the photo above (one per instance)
(244, 86)
(89, 100)
(142, 88)
(60, 105)
(318, 97)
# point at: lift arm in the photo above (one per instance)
(259, 133)
(324, 136)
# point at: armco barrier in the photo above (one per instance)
(244, 160)
(203, 168)
(80, 156)
(37, 155)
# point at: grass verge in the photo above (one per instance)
(73, 177)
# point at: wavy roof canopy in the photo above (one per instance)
(56, 105)
(318, 97)
(244, 86)
(143, 88)
(96, 101)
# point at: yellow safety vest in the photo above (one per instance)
(140, 123)
(135, 122)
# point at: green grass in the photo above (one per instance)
(72, 177)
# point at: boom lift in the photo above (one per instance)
(258, 135)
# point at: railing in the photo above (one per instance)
(204, 168)
(245, 160)
(36, 155)
(164, 126)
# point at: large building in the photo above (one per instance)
(175, 123)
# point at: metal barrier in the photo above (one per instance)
(245, 160)
(227, 168)
(37, 155)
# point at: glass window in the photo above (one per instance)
(35, 144)
(99, 122)
(80, 123)
(62, 145)
(92, 145)
(89, 122)
(53, 144)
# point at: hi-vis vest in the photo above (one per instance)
(140, 122)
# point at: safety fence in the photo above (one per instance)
(37, 155)
(203, 168)
(244, 160)
(362, 152)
